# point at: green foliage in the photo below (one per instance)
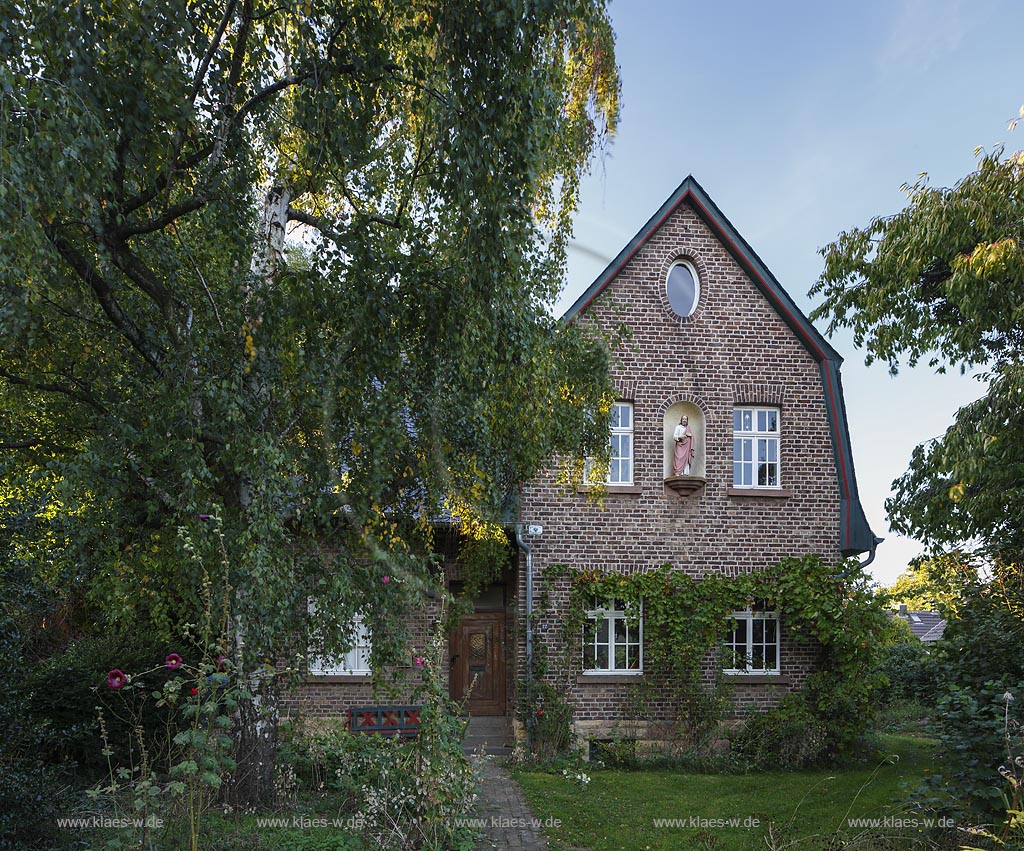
(971, 725)
(162, 357)
(67, 689)
(684, 620)
(905, 716)
(943, 279)
(910, 671)
(788, 737)
(977, 662)
(935, 584)
(549, 717)
(402, 793)
(193, 695)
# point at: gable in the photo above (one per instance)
(855, 534)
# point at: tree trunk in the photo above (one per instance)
(251, 785)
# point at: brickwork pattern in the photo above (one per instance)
(733, 350)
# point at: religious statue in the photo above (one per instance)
(682, 455)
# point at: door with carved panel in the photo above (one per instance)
(478, 663)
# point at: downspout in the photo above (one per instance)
(529, 630)
(874, 546)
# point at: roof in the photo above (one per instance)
(855, 535)
(927, 626)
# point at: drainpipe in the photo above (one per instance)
(874, 547)
(529, 622)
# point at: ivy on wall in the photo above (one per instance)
(685, 619)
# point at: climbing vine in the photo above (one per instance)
(685, 618)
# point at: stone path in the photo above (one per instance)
(510, 826)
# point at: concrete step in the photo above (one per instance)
(492, 733)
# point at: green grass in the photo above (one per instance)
(617, 810)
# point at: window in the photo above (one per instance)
(354, 663)
(752, 646)
(620, 460)
(755, 448)
(613, 639)
(620, 448)
(682, 288)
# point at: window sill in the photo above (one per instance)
(769, 493)
(597, 678)
(612, 489)
(338, 678)
(757, 679)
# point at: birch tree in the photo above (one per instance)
(165, 356)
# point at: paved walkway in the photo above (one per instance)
(510, 826)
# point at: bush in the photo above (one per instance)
(788, 737)
(65, 690)
(549, 718)
(972, 747)
(406, 793)
(32, 796)
(910, 670)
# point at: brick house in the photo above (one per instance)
(717, 340)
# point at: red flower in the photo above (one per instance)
(540, 712)
(195, 690)
(173, 661)
(116, 679)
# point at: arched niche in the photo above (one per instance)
(694, 479)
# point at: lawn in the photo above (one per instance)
(621, 810)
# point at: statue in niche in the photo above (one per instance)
(682, 455)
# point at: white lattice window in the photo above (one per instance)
(613, 639)
(752, 644)
(620, 456)
(755, 448)
(356, 662)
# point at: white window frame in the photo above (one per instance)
(354, 663)
(731, 645)
(615, 430)
(754, 447)
(625, 435)
(613, 613)
(696, 287)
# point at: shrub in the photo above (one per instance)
(549, 718)
(788, 737)
(406, 794)
(65, 690)
(972, 746)
(32, 796)
(910, 670)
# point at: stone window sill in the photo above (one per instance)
(613, 489)
(338, 678)
(764, 493)
(603, 679)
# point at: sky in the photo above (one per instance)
(801, 120)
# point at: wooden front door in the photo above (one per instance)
(478, 662)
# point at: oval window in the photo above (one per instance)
(683, 289)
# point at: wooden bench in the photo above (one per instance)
(401, 721)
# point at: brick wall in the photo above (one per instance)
(330, 697)
(733, 350)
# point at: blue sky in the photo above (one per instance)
(801, 120)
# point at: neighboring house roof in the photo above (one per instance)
(855, 535)
(927, 626)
